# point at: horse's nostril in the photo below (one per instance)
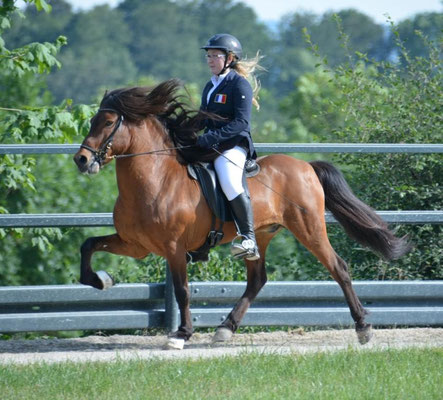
(82, 160)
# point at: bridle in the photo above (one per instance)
(100, 155)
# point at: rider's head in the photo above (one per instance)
(223, 51)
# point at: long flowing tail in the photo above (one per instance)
(359, 220)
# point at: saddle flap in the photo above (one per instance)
(205, 174)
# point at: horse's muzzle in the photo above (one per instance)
(86, 163)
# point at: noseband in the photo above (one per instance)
(100, 154)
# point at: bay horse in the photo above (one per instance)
(151, 134)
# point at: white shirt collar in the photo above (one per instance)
(217, 79)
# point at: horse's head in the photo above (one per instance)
(96, 148)
(130, 104)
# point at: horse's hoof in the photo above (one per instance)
(105, 279)
(364, 334)
(222, 334)
(174, 344)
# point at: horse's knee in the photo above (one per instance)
(87, 245)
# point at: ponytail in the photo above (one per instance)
(247, 68)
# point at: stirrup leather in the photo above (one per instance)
(244, 249)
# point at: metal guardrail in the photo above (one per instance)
(261, 147)
(138, 306)
(106, 219)
(76, 307)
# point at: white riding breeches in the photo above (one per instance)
(229, 167)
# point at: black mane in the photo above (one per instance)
(163, 102)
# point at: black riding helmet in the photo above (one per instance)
(227, 43)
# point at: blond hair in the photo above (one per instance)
(247, 69)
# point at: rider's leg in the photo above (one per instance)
(229, 167)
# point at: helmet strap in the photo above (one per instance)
(226, 66)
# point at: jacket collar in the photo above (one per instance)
(231, 75)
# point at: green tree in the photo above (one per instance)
(26, 119)
(374, 102)
(292, 58)
(429, 24)
(98, 57)
(164, 42)
(32, 25)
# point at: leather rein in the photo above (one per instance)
(101, 154)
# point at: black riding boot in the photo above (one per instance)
(244, 219)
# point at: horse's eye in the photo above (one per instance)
(108, 123)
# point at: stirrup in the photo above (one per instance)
(246, 249)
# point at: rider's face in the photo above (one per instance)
(216, 60)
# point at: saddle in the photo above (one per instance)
(204, 173)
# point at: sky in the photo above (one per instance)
(273, 10)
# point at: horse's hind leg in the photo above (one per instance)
(311, 232)
(341, 275)
(112, 244)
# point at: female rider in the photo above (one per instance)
(229, 95)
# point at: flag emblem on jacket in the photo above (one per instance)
(220, 98)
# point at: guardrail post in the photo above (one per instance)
(171, 306)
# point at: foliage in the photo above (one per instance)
(29, 124)
(367, 100)
(371, 102)
(292, 50)
(428, 24)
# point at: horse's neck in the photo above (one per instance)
(147, 173)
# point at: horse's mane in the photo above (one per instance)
(164, 103)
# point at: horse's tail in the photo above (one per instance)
(359, 220)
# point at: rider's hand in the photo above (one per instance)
(206, 141)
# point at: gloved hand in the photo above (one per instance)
(207, 140)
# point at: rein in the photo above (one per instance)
(263, 183)
(100, 155)
(150, 152)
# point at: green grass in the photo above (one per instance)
(391, 374)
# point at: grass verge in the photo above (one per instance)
(391, 374)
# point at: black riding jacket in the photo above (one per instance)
(232, 100)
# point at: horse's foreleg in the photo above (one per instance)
(177, 266)
(112, 244)
(256, 279)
